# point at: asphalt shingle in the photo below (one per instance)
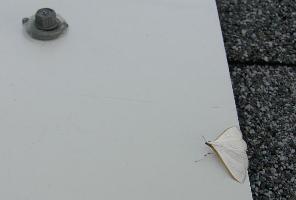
(259, 31)
(266, 103)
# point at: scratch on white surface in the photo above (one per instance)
(122, 99)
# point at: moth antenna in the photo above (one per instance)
(204, 139)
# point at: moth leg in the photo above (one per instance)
(204, 156)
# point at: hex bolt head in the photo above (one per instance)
(46, 19)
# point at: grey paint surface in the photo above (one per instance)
(116, 108)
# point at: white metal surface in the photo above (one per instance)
(117, 107)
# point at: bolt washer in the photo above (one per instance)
(40, 33)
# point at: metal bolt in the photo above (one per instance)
(45, 25)
(46, 19)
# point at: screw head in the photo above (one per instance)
(46, 19)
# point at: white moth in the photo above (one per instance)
(231, 150)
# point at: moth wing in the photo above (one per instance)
(232, 133)
(231, 149)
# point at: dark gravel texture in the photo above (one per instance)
(260, 42)
(259, 31)
(266, 103)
